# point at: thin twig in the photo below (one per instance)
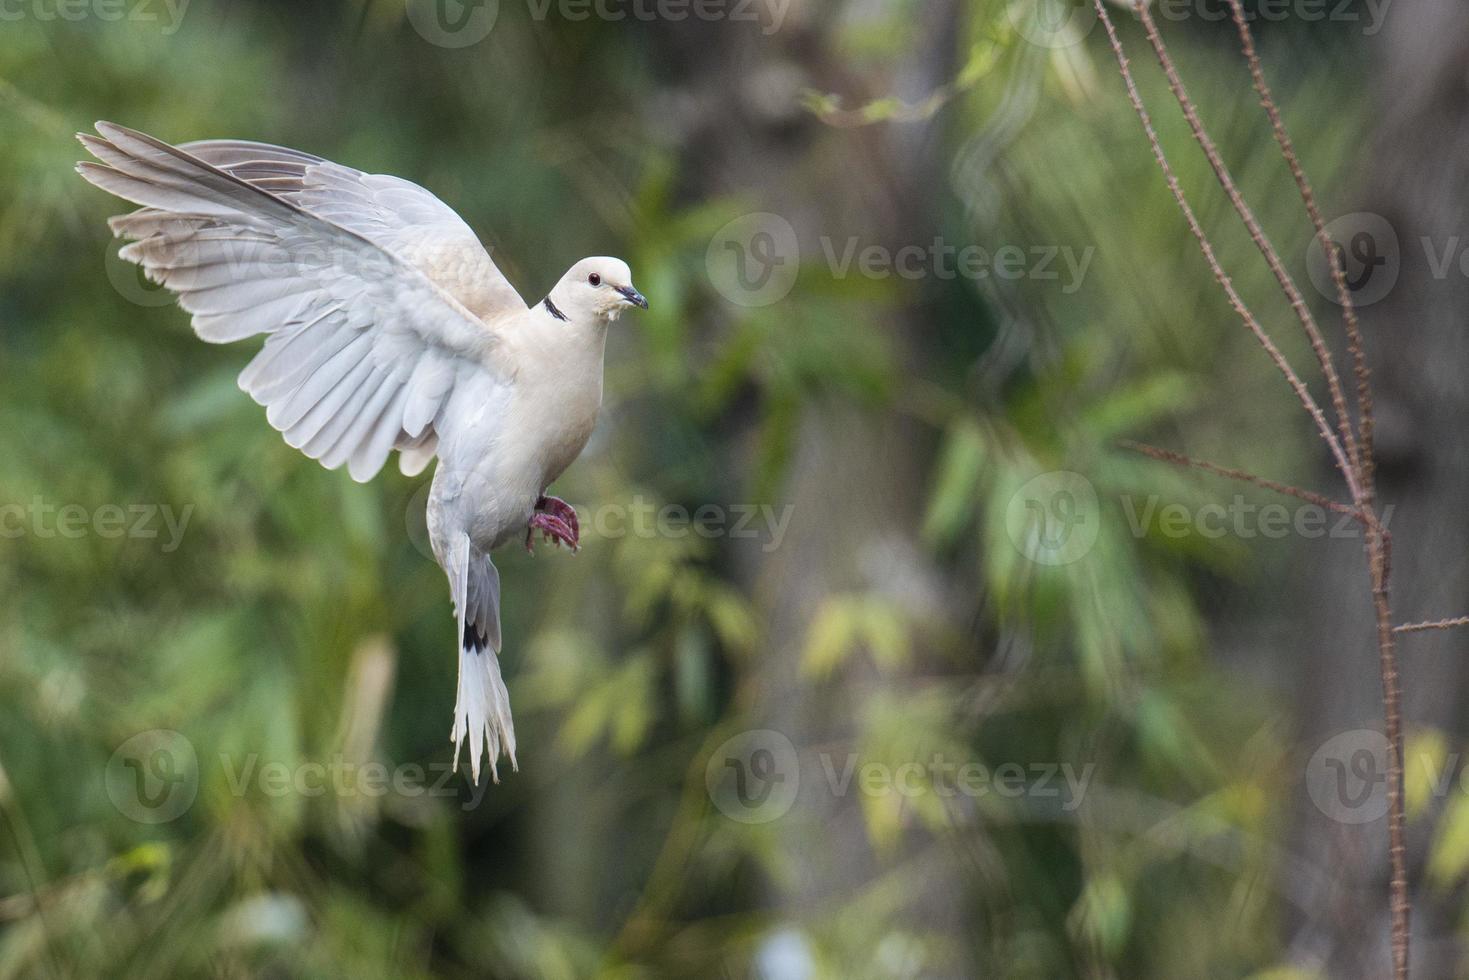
(1379, 543)
(1360, 370)
(1378, 540)
(1220, 275)
(1379, 553)
(1257, 234)
(1310, 497)
(1437, 624)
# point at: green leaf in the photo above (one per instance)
(829, 638)
(956, 488)
(1103, 913)
(1448, 859)
(1424, 758)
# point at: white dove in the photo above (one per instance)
(387, 327)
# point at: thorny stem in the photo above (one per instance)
(1379, 543)
(1333, 256)
(1379, 553)
(1358, 469)
(1168, 456)
(1366, 517)
(1437, 624)
(1220, 275)
(1257, 235)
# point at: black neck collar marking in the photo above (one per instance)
(551, 309)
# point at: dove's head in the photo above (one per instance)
(598, 288)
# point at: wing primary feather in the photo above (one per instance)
(375, 299)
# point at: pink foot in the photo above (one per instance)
(557, 507)
(556, 520)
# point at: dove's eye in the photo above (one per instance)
(594, 279)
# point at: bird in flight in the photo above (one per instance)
(387, 327)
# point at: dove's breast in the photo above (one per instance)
(573, 417)
(560, 394)
(505, 453)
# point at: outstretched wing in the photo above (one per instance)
(396, 214)
(364, 349)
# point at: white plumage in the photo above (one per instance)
(387, 326)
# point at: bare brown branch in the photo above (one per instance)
(1353, 469)
(1310, 497)
(1437, 624)
(1262, 242)
(1276, 357)
(1360, 370)
(1379, 552)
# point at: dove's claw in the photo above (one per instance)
(553, 528)
(556, 520)
(557, 507)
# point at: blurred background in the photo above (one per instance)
(880, 657)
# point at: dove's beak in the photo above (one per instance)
(632, 296)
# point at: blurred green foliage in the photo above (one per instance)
(297, 624)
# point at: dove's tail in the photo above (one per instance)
(482, 708)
